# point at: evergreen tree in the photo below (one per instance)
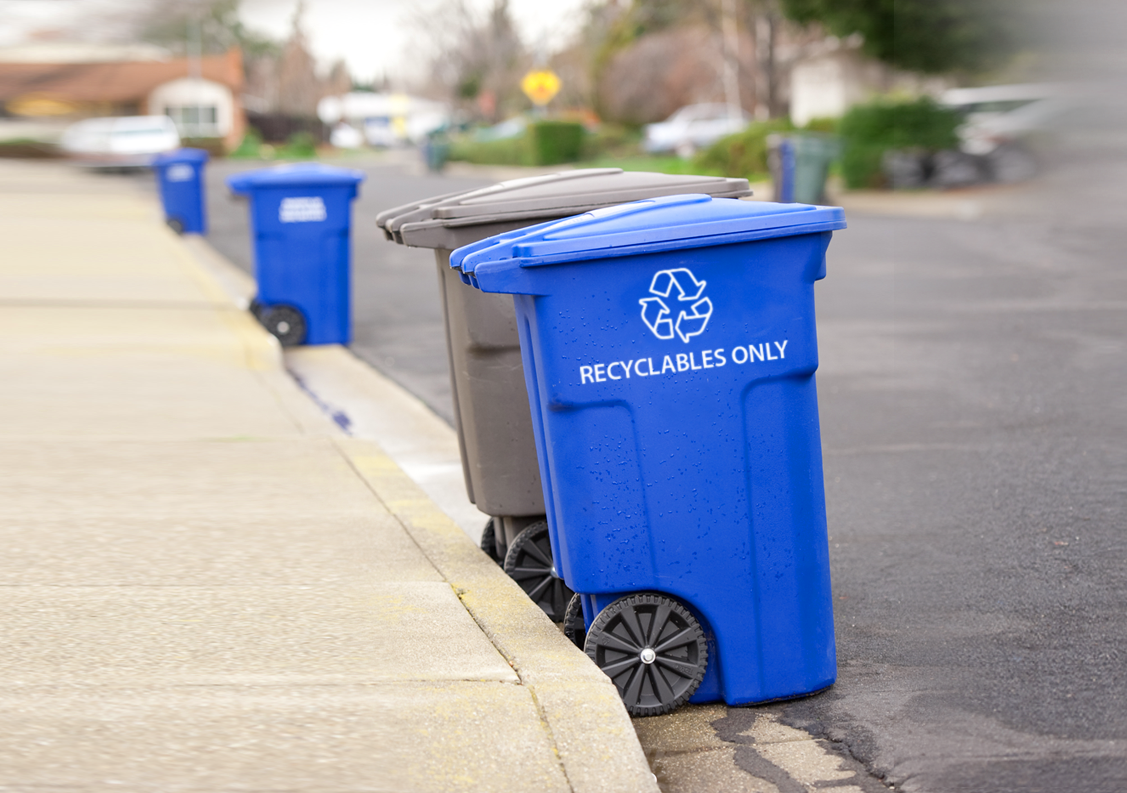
(931, 36)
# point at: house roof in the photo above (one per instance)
(120, 82)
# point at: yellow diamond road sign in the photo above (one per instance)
(540, 86)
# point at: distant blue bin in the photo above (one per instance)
(669, 351)
(180, 175)
(301, 222)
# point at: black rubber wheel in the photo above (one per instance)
(489, 541)
(255, 308)
(574, 627)
(529, 562)
(653, 650)
(286, 323)
(175, 225)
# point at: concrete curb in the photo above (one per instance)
(579, 706)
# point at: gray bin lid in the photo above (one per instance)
(452, 220)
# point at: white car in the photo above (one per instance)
(998, 121)
(694, 127)
(121, 142)
(346, 136)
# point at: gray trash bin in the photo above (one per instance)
(491, 404)
(799, 164)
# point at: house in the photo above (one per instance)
(202, 95)
(833, 74)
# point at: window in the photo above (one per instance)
(195, 121)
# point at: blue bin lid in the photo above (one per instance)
(657, 224)
(306, 174)
(180, 155)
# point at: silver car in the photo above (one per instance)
(999, 120)
(694, 127)
(120, 142)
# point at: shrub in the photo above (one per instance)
(554, 142)
(742, 154)
(612, 140)
(543, 143)
(301, 145)
(828, 126)
(248, 148)
(868, 131)
(509, 151)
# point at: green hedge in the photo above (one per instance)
(743, 154)
(543, 143)
(299, 146)
(554, 142)
(868, 131)
(249, 148)
(510, 151)
(612, 141)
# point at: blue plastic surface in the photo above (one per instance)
(309, 174)
(301, 222)
(180, 177)
(669, 349)
(786, 171)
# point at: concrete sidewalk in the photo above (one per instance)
(207, 585)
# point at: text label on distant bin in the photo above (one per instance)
(683, 362)
(180, 172)
(304, 209)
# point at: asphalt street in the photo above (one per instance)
(973, 402)
(975, 434)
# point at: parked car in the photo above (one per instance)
(122, 142)
(999, 122)
(693, 127)
(346, 136)
(506, 130)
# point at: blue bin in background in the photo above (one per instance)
(180, 176)
(669, 351)
(301, 224)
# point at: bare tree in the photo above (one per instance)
(299, 90)
(215, 24)
(339, 80)
(475, 59)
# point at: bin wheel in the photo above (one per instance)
(255, 308)
(176, 225)
(529, 562)
(573, 626)
(489, 541)
(652, 649)
(286, 323)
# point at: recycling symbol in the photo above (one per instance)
(691, 320)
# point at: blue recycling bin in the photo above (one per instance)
(669, 351)
(180, 176)
(301, 223)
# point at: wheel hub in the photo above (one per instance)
(529, 562)
(652, 648)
